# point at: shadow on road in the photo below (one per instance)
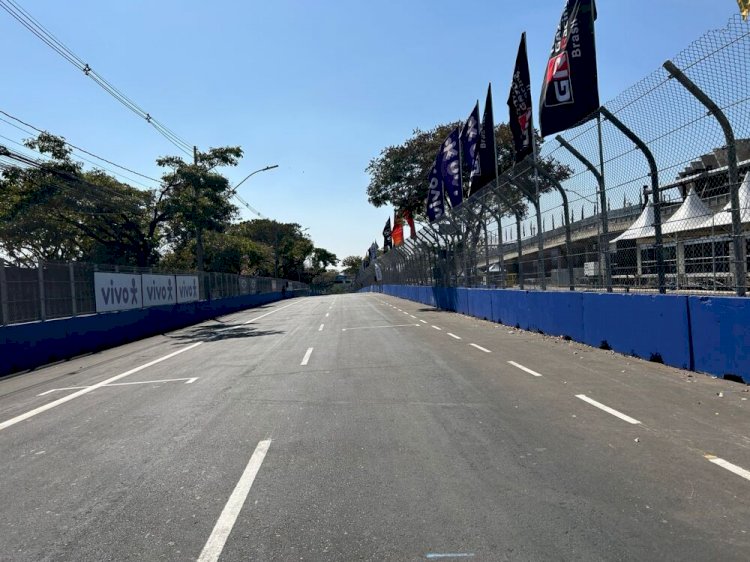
(226, 332)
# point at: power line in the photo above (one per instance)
(78, 148)
(41, 32)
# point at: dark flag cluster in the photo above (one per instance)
(569, 96)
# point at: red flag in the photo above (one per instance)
(398, 229)
(410, 221)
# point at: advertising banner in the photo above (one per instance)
(117, 291)
(188, 289)
(158, 290)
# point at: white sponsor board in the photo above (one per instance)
(188, 288)
(117, 291)
(158, 290)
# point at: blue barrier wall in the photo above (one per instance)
(708, 334)
(26, 346)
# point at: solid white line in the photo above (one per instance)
(187, 381)
(437, 327)
(321, 328)
(423, 321)
(306, 358)
(608, 409)
(454, 336)
(272, 312)
(215, 543)
(738, 470)
(64, 399)
(480, 348)
(524, 369)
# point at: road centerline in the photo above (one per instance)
(306, 358)
(218, 538)
(454, 336)
(480, 348)
(519, 366)
(607, 409)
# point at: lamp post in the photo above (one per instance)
(247, 177)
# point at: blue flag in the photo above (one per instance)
(450, 168)
(469, 137)
(435, 193)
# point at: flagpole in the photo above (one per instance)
(497, 186)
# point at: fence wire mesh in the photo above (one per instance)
(60, 290)
(651, 195)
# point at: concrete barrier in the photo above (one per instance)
(26, 346)
(707, 334)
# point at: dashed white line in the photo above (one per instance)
(306, 358)
(69, 397)
(327, 314)
(454, 336)
(321, 328)
(215, 543)
(413, 316)
(423, 321)
(437, 327)
(274, 311)
(480, 348)
(519, 366)
(738, 470)
(608, 409)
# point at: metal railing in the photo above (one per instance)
(646, 196)
(60, 290)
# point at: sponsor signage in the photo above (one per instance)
(117, 291)
(188, 288)
(158, 290)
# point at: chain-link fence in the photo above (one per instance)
(59, 290)
(647, 196)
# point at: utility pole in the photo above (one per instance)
(199, 227)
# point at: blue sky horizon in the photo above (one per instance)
(317, 88)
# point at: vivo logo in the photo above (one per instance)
(120, 294)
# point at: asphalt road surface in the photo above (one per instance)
(364, 427)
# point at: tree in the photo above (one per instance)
(54, 211)
(199, 197)
(398, 176)
(352, 264)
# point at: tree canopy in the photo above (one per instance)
(398, 176)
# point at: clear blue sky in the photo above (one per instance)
(317, 87)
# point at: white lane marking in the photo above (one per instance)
(306, 358)
(480, 348)
(406, 313)
(31, 413)
(374, 327)
(215, 543)
(608, 409)
(190, 380)
(272, 312)
(327, 314)
(738, 470)
(454, 336)
(436, 555)
(519, 366)
(423, 321)
(413, 316)
(437, 327)
(321, 328)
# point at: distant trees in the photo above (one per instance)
(352, 264)
(54, 210)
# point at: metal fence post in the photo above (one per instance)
(73, 300)
(531, 195)
(4, 296)
(734, 184)
(603, 248)
(654, 172)
(42, 303)
(566, 222)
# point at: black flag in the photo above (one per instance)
(570, 91)
(519, 105)
(387, 243)
(485, 164)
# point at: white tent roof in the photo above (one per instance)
(692, 214)
(724, 217)
(643, 227)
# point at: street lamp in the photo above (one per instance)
(240, 199)
(253, 173)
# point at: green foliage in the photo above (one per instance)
(352, 264)
(398, 176)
